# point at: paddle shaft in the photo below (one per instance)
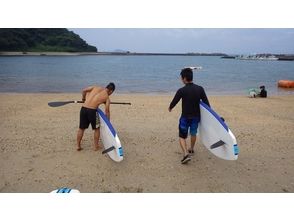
(58, 104)
(118, 103)
(121, 103)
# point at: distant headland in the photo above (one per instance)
(26, 40)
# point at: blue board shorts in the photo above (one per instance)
(185, 124)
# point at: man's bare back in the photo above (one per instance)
(95, 96)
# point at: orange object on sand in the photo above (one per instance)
(286, 83)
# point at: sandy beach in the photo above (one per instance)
(38, 147)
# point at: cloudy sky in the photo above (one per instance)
(231, 41)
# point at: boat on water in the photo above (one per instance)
(257, 57)
(228, 57)
(286, 84)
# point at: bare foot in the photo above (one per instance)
(79, 149)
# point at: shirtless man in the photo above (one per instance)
(93, 96)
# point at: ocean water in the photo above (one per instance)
(140, 74)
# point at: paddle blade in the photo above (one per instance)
(57, 104)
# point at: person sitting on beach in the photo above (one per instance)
(191, 94)
(93, 96)
(263, 92)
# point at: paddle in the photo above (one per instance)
(61, 103)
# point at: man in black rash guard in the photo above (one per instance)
(191, 94)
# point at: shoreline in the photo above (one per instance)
(286, 93)
(40, 53)
(38, 147)
(281, 57)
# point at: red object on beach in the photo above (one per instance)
(286, 83)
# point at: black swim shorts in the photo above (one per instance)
(88, 116)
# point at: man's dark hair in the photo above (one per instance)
(111, 86)
(187, 73)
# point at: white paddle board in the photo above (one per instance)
(65, 190)
(216, 135)
(109, 137)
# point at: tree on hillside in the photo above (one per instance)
(42, 39)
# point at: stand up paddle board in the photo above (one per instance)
(216, 135)
(109, 138)
(65, 190)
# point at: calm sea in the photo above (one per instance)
(140, 74)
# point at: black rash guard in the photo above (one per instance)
(191, 94)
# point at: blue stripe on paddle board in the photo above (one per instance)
(67, 190)
(121, 152)
(236, 149)
(215, 115)
(106, 121)
(64, 190)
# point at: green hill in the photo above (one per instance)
(42, 40)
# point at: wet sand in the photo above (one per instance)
(38, 147)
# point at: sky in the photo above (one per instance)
(202, 40)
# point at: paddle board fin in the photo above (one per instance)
(217, 144)
(108, 150)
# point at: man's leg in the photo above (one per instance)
(193, 133)
(79, 138)
(186, 157)
(183, 146)
(183, 131)
(193, 141)
(96, 139)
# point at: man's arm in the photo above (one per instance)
(175, 100)
(107, 111)
(85, 91)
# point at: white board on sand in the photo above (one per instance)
(65, 190)
(216, 135)
(110, 138)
